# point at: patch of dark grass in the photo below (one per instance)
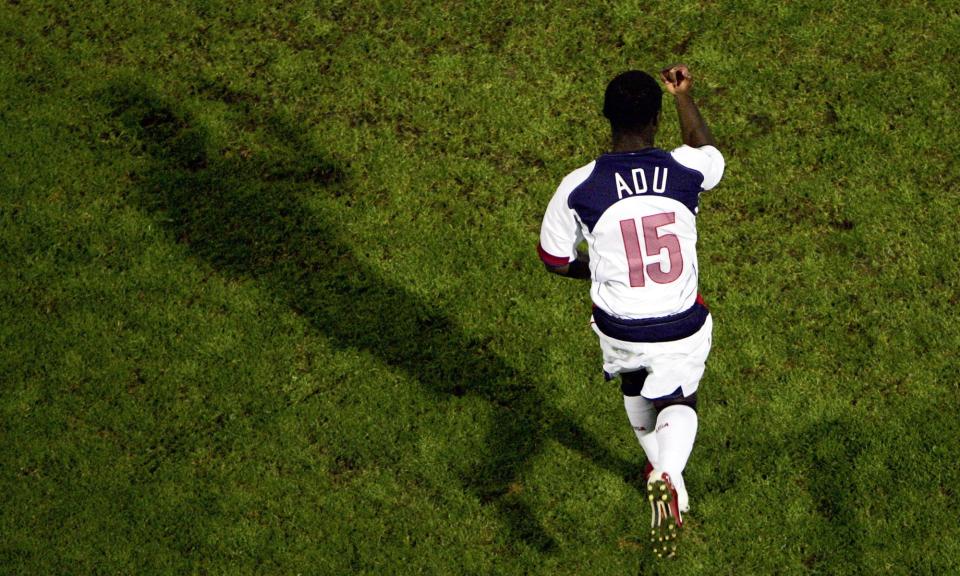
(246, 218)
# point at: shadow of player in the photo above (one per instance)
(247, 219)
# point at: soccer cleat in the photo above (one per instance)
(665, 518)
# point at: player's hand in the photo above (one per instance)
(677, 79)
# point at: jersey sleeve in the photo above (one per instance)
(559, 232)
(706, 160)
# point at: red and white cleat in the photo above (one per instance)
(665, 517)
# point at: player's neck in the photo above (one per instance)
(632, 142)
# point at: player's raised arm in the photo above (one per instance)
(693, 128)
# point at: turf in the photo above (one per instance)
(271, 304)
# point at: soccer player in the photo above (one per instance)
(636, 209)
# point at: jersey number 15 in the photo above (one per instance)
(654, 243)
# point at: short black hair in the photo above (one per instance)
(632, 101)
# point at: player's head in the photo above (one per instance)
(632, 102)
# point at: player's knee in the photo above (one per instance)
(631, 383)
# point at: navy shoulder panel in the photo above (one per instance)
(618, 176)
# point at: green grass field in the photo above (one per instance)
(270, 301)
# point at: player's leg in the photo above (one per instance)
(676, 432)
(626, 360)
(641, 413)
(675, 372)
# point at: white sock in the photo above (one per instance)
(676, 432)
(643, 419)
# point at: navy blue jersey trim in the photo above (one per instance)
(661, 329)
(600, 190)
(593, 172)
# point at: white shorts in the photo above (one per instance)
(670, 365)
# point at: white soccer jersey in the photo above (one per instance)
(637, 213)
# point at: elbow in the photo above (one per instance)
(559, 270)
